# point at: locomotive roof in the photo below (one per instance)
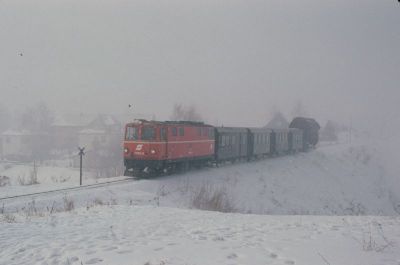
(280, 130)
(260, 130)
(192, 123)
(301, 122)
(231, 129)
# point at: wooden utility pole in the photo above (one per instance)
(81, 154)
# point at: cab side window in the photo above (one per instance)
(163, 134)
(174, 131)
(181, 131)
(211, 133)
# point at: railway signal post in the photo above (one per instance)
(81, 154)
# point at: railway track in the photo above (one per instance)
(83, 187)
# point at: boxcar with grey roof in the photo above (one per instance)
(231, 143)
(279, 141)
(259, 142)
(295, 140)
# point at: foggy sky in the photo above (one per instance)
(236, 61)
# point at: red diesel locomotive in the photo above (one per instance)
(153, 146)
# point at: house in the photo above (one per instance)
(92, 138)
(278, 122)
(65, 131)
(1, 147)
(100, 132)
(102, 140)
(16, 144)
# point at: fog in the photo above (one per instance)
(235, 61)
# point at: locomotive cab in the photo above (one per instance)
(153, 146)
(144, 146)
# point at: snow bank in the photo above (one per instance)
(157, 235)
(335, 179)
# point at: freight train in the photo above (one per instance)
(153, 147)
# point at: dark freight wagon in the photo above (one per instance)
(295, 140)
(310, 130)
(280, 141)
(231, 143)
(259, 142)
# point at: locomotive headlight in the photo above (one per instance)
(126, 150)
(153, 151)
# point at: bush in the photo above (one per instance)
(208, 198)
(4, 181)
(9, 218)
(68, 204)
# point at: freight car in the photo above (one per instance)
(310, 128)
(295, 140)
(259, 142)
(279, 141)
(231, 143)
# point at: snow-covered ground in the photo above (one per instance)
(147, 235)
(288, 210)
(335, 179)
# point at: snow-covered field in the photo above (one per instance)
(338, 179)
(147, 235)
(338, 204)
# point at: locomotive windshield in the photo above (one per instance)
(148, 133)
(145, 133)
(132, 133)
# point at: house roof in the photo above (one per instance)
(72, 120)
(103, 121)
(92, 131)
(16, 132)
(278, 122)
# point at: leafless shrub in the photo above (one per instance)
(184, 186)
(98, 201)
(22, 181)
(4, 181)
(208, 198)
(376, 243)
(9, 218)
(68, 204)
(32, 178)
(355, 208)
(51, 209)
(113, 201)
(31, 210)
(33, 175)
(60, 179)
(161, 191)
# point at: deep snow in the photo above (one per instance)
(139, 222)
(337, 179)
(158, 236)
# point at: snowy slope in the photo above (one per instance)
(339, 179)
(160, 236)
(139, 222)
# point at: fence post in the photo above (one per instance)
(81, 154)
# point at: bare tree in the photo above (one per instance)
(4, 119)
(105, 159)
(329, 132)
(185, 113)
(38, 118)
(299, 110)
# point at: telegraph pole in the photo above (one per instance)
(81, 154)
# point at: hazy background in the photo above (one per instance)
(236, 61)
